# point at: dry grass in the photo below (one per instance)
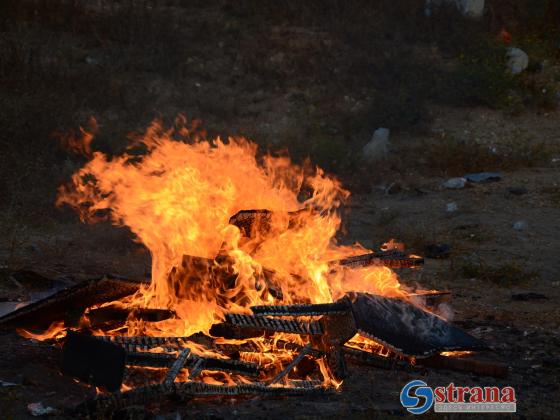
(506, 275)
(352, 66)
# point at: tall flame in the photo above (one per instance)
(177, 198)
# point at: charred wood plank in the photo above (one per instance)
(407, 329)
(258, 222)
(276, 325)
(233, 366)
(74, 299)
(431, 299)
(391, 259)
(145, 341)
(303, 352)
(177, 366)
(112, 313)
(378, 361)
(301, 383)
(197, 367)
(302, 310)
(149, 359)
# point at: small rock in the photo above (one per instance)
(524, 297)
(518, 60)
(376, 148)
(520, 225)
(4, 384)
(455, 183)
(518, 190)
(484, 177)
(437, 251)
(451, 207)
(38, 409)
(92, 61)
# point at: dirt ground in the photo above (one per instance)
(490, 261)
(314, 89)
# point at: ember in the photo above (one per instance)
(262, 302)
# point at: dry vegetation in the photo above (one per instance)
(314, 77)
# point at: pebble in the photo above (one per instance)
(451, 207)
(455, 183)
(38, 409)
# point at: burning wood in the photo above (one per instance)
(209, 269)
(302, 310)
(391, 259)
(303, 352)
(116, 313)
(275, 325)
(405, 328)
(71, 301)
(177, 366)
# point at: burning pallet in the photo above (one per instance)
(317, 339)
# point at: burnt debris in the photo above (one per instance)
(70, 303)
(407, 329)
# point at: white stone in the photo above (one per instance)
(376, 148)
(451, 207)
(518, 60)
(455, 183)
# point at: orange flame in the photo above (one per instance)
(79, 144)
(177, 199)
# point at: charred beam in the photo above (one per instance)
(112, 313)
(143, 340)
(302, 310)
(253, 222)
(72, 300)
(431, 299)
(233, 366)
(391, 259)
(197, 367)
(149, 359)
(177, 366)
(406, 329)
(376, 360)
(303, 352)
(276, 325)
